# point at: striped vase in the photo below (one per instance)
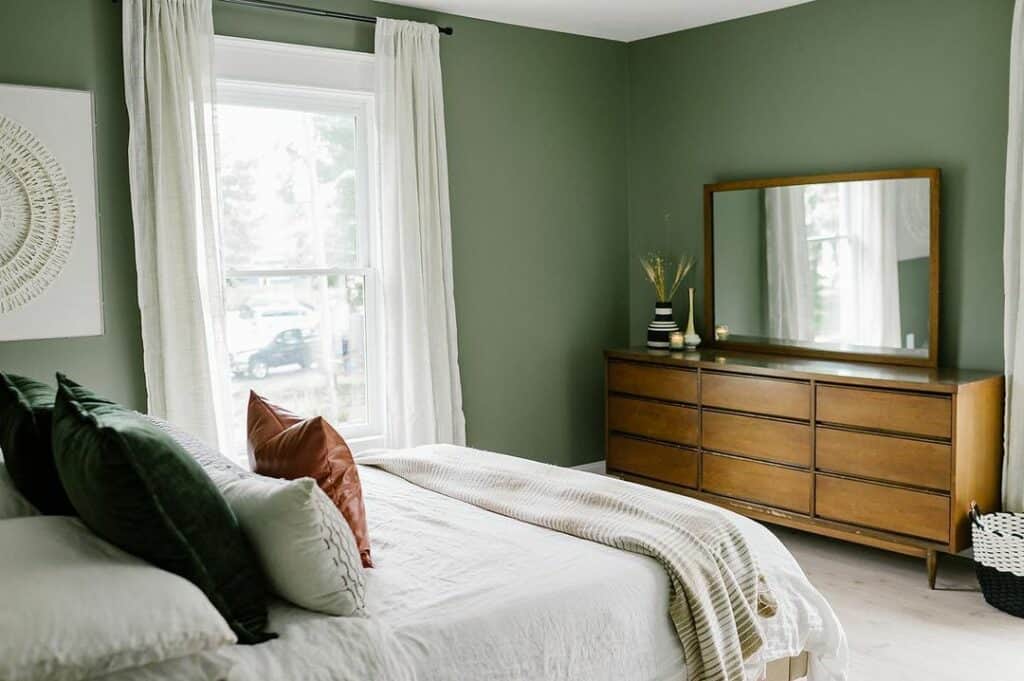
(661, 326)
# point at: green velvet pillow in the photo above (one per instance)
(137, 488)
(26, 409)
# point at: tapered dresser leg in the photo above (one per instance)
(932, 561)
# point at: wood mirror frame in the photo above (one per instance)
(933, 175)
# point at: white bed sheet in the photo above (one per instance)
(462, 593)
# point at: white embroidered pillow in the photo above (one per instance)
(305, 546)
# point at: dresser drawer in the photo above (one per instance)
(791, 399)
(758, 438)
(676, 385)
(652, 460)
(886, 410)
(653, 419)
(892, 509)
(884, 457)
(758, 482)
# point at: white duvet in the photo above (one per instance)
(462, 593)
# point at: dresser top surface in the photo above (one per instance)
(940, 379)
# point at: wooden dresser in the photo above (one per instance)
(882, 455)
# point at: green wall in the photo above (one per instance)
(537, 161)
(741, 297)
(833, 85)
(914, 276)
(558, 142)
(77, 44)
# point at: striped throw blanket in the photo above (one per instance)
(717, 594)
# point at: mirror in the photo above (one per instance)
(836, 265)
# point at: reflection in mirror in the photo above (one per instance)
(838, 265)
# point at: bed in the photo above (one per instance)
(459, 592)
(488, 567)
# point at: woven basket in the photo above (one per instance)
(999, 558)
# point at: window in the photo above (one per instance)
(297, 185)
(826, 248)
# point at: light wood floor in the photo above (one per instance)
(898, 629)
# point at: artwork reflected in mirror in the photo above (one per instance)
(841, 266)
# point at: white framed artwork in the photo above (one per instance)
(49, 247)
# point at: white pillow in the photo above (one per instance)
(209, 666)
(75, 606)
(12, 503)
(305, 546)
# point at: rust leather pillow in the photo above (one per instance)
(284, 445)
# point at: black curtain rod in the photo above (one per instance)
(299, 9)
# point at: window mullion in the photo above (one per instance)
(298, 272)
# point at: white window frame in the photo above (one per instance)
(304, 78)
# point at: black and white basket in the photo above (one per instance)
(999, 558)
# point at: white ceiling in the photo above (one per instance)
(624, 20)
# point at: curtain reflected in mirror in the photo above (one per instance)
(838, 265)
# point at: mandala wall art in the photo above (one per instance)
(49, 257)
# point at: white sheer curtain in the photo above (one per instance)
(424, 393)
(790, 286)
(168, 46)
(1013, 251)
(869, 265)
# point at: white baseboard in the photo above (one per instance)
(592, 467)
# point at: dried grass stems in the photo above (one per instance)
(655, 268)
